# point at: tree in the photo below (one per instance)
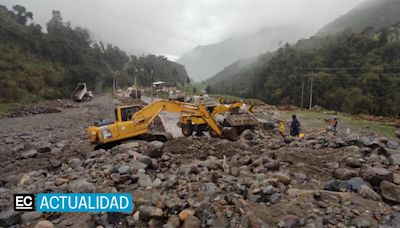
(55, 23)
(22, 16)
(208, 89)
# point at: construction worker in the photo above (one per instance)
(295, 127)
(334, 123)
(281, 128)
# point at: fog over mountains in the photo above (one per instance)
(205, 61)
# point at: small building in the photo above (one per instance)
(158, 86)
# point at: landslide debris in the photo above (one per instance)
(258, 181)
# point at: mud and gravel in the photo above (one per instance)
(261, 180)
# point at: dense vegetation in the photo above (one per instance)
(351, 72)
(376, 14)
(36, 64)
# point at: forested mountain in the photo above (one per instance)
(371, 14)
(35, 64)
(351, 72)
(205, 61)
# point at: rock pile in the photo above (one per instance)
(260, 180)
(53, 106)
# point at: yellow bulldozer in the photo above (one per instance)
(132, 121)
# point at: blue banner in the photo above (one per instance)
(84, 202)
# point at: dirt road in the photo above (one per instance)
(55, 131)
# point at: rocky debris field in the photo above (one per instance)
(261, 180)
(54, 106)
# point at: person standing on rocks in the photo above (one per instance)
(281, 128)
(334, 123)
(295, 127)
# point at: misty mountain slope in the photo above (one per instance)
(352, 72)
(236, 78)
(205, 61)
(377, 14)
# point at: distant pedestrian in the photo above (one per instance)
(334, 124)
(295, 127)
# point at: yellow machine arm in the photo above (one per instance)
(220, 109)
(146, 115)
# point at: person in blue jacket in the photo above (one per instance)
(295, 126)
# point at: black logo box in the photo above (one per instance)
(24, 202)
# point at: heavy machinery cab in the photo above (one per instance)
(125, 113)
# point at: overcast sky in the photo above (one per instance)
(173, 27)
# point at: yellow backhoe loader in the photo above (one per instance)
(240, 122)
(132, 121)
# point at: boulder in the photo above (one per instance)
(344, 174)
(354, 185)
(282, 177)
(361, 222)
(44, 224)
(395, 159)
(140, 157)
(375, 175)
(183, 215)
(272, 165)
(156, 183)
(131, 145)
(364, 141)
(124, 169)
(146, 212)
(352, 162)
(247, 135)
(74, 162)
(369, 193)
(173, 202)
(390, 191)
(155, 223)
(81, 185)
(29, 153)
(398, 134)
(55, 163)
(392, 144)
(230, 133)
(136, 165)
(9, 217)
(173, 221)
(289, 221)
(30, 216)
(157, 144)
(191, 222)
(234, 171)
(144, 180)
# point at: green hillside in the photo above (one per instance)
(351, 72)
(35, 64)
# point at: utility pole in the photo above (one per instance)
(113, 86)
(136, 87)
(311, 91)
(302, 92)
(151, 72)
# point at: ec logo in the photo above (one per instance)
(24, 202)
